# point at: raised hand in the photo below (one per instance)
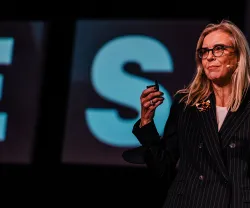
(150, 99)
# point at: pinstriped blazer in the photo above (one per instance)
(213, 165)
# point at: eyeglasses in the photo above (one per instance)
(217, 51)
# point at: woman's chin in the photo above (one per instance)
(214, 78)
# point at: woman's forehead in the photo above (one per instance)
(217, 37)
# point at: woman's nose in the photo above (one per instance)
(210, 55)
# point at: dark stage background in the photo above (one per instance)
(69, 96)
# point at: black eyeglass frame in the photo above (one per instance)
(207, 50)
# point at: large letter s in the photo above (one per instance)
(114, 84)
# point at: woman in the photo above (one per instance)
(208, 129)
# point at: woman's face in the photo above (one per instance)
(219, 64)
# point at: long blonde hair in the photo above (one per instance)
(200, 87)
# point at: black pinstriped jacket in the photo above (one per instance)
(213, 165)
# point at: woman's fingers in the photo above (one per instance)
(152, 108)
(154, 103)
(147, 91)
(151, 96)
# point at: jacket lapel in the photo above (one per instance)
(233, 120)
(209, 130)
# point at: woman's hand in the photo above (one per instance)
(150, 100)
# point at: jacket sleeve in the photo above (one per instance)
(161, 152)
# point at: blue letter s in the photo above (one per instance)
(114, 84)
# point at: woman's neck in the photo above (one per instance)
(222, 94)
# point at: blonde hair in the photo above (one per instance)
(200, 87)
